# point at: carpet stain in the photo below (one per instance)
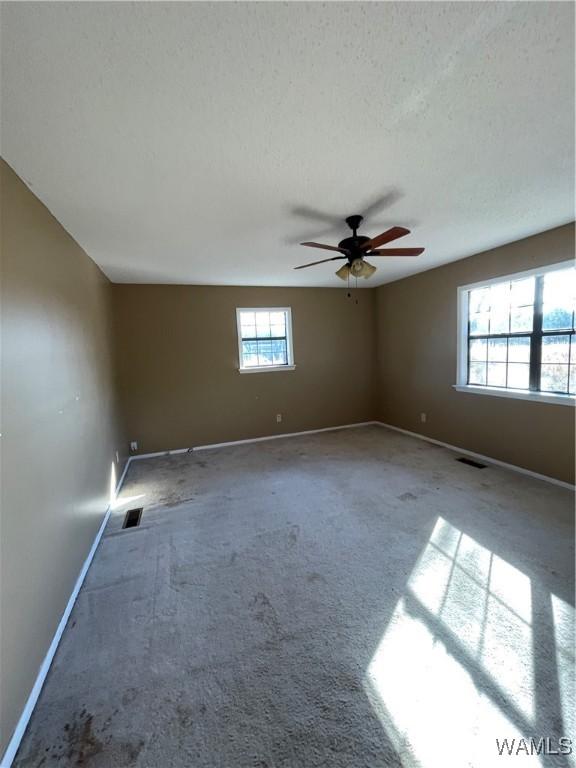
(82, 744)
(265, 613)
(293, 535)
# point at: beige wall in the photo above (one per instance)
(416, 330)
(178, 364)
(58, 434)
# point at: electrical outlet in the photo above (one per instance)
(134, 446)
(278, 418)
(423, 418)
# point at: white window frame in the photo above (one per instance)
(289, 347)
(462, 342)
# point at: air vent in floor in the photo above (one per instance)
(472, 463)
(132, 518)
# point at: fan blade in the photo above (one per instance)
(326, 247)
(379, 204)
(305, 212)
(386, 237)
(323, 261)
(397, 252)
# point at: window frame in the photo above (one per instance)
(463, 340)
(290, 365)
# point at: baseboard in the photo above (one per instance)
(487, 459)
(154, 455)
(22, 724)
(210, 446)
(284, 434)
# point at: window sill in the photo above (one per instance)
(267, 369)
(518, 394)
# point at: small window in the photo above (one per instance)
(265, 339)
(517, 333)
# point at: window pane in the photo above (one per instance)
(519, 350)
(249, 354)
(499, 296)
(555, 349)
(497, 351)
(247, 325)
(496, 374)
(263, 324)
(500, 308)
(560, 287)
(558, 299)
(279, 353)
(521, 319)
(277, 318)
(264, 352)
(479, 323)
(500, 321)
(518, 375)
(478, 350)
(246, 319)
(278, 330)
(555, 317)
(554, 378)
(572, 389)
(479, 300)
(477, 373)
(522, 293)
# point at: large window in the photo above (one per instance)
(517, 334)
(265, 339)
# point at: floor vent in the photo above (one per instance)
(132, 518)
(472, 463)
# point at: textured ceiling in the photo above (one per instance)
(186, 142)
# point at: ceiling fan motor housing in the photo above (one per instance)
(354, 222)
(353, 244)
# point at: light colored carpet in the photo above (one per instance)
(348, 599)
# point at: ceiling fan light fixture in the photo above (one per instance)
(357, 268)
(361, 268)
(369, 270)
(344, 272)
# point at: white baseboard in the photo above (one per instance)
(22, 724)
(284, 434)
(154, 455)
(487, 459)
(248, 440)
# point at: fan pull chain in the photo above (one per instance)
(349, 290)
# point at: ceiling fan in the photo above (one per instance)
(355, 248)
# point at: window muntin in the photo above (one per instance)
(520, 333)
(264, 338)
